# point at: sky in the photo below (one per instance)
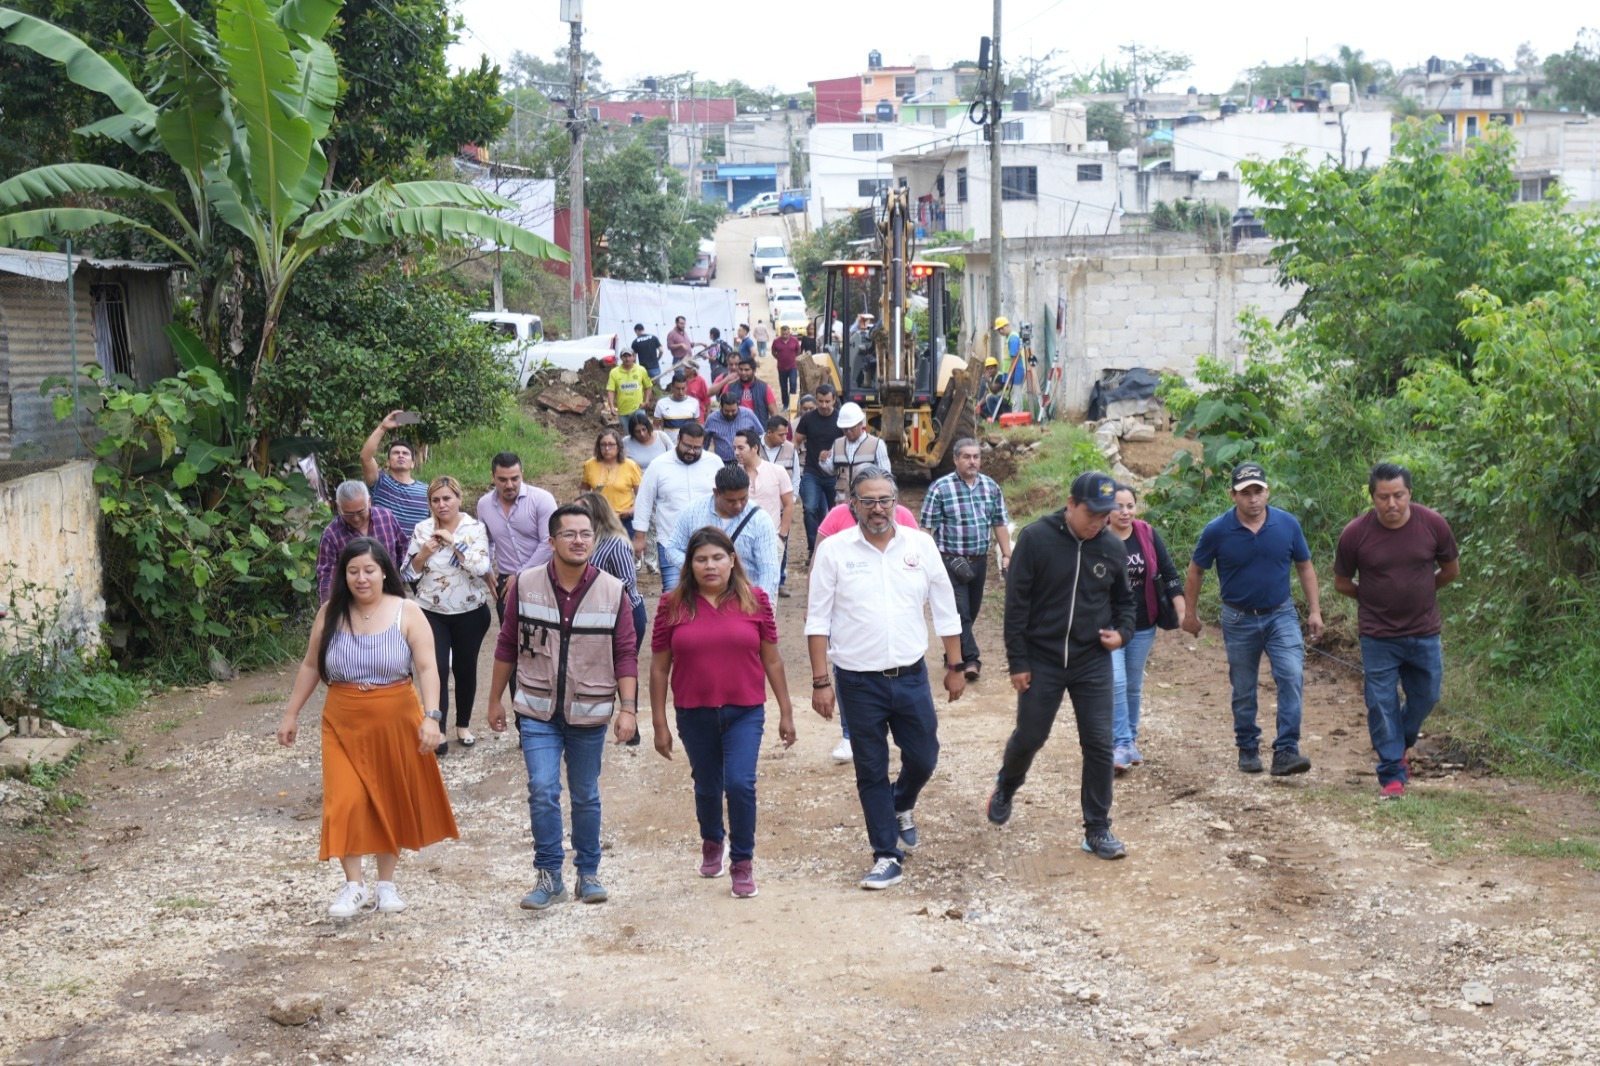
(791, 43)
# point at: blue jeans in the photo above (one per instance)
(543, 744)
(1247, 636)
(669, 571)
(880, 706)
(723, 744)
(788, 384)
(816, 496)
(1390, 665)
(1127, 685)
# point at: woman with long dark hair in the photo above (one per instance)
(1157, 593)
(381, 789)
(449, 561)
(716, 640)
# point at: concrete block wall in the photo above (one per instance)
(50, 528)
(1157, 311)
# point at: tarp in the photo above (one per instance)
(1123, 392)
(622, 303)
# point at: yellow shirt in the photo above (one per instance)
(618, 484)
(629, 385)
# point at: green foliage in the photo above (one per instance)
(365, 345)
(1039, 485)
(202, 551)
(1108, 122)
(44, 670)
(1383, 254)
(651, 228)
(465, 457)
(1574, 75)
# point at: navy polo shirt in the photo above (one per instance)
(1253, 568)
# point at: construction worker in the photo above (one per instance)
(853, 451)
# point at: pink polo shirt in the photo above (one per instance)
(840, 519)
(716, 655)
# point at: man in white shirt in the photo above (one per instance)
(868, 588)
(670, 484)
(677, 407)
(771, 489)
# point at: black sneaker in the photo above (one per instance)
(999, 806)
(1101, 844)
(1285, 763)
(1249, 761)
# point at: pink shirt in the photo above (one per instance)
(716, 655)
(840, 519)
(768, 486)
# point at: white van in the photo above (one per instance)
(520, 335)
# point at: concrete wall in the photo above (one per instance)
(1159, 312)
(50, 530)
(1221, 145)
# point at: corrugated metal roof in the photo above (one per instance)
(52, 266)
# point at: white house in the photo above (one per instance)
(848, 164)
(1565, 154)
(1047, 190)
(1361, 138)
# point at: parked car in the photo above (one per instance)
(792, 200)
(782, 278)
(768, 253)
(704, 270)
(762, 203)
(520, 336)
(794, 317)
(785, 298)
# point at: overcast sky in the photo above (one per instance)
(787, 43)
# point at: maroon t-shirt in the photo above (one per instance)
(1396, 568)
(716, 655)
(786, 351)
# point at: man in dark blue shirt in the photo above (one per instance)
(647, 348)
(1254, 547)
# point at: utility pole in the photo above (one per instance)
(577, 119)
(997, 256)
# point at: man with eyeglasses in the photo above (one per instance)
(670, 484)
(730, 509)
(355, 515)
(868, 589)
(570, 643)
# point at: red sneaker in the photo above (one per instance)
(713, 857)
(744, 879)
(1394, 790)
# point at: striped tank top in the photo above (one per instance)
(375, 659)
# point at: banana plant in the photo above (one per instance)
(241, 111)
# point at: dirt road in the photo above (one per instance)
(1254, 921)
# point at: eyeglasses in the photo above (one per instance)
(875, 503)
(354, 514)
(570, 535)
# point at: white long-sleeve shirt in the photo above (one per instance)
(868, 603)
(668, 486)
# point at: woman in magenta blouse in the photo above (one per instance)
(716, 638)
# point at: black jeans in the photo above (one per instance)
(969, 599)
(1089, 686)
(457, 639)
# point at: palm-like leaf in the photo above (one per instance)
(454, 193)
(194, 126)
(44, 183)
(263, 73)
(67, 221)
(456, 225)
(308, 18)
(88, 68)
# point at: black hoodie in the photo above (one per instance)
(1058, 583)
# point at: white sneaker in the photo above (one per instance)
(389, 901)
(843, 753)
(352, 899)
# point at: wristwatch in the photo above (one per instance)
(437, 716)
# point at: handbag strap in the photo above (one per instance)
(750, 513)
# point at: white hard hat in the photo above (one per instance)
(851, 415)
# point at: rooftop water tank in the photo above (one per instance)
(885, 112)
(874, 60)
(1339, 94)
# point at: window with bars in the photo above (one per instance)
(1019, 183)
(961, 185)
(111, 345)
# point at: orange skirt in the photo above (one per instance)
(379, 793)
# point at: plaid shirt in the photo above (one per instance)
(960, 516)
(381, 527)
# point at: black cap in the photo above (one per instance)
(638, 327)
(1249, 474)
(1096, 491)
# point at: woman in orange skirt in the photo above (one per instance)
(381, 789)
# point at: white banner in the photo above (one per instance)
(621, 304)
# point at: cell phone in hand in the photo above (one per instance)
(407, 418)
